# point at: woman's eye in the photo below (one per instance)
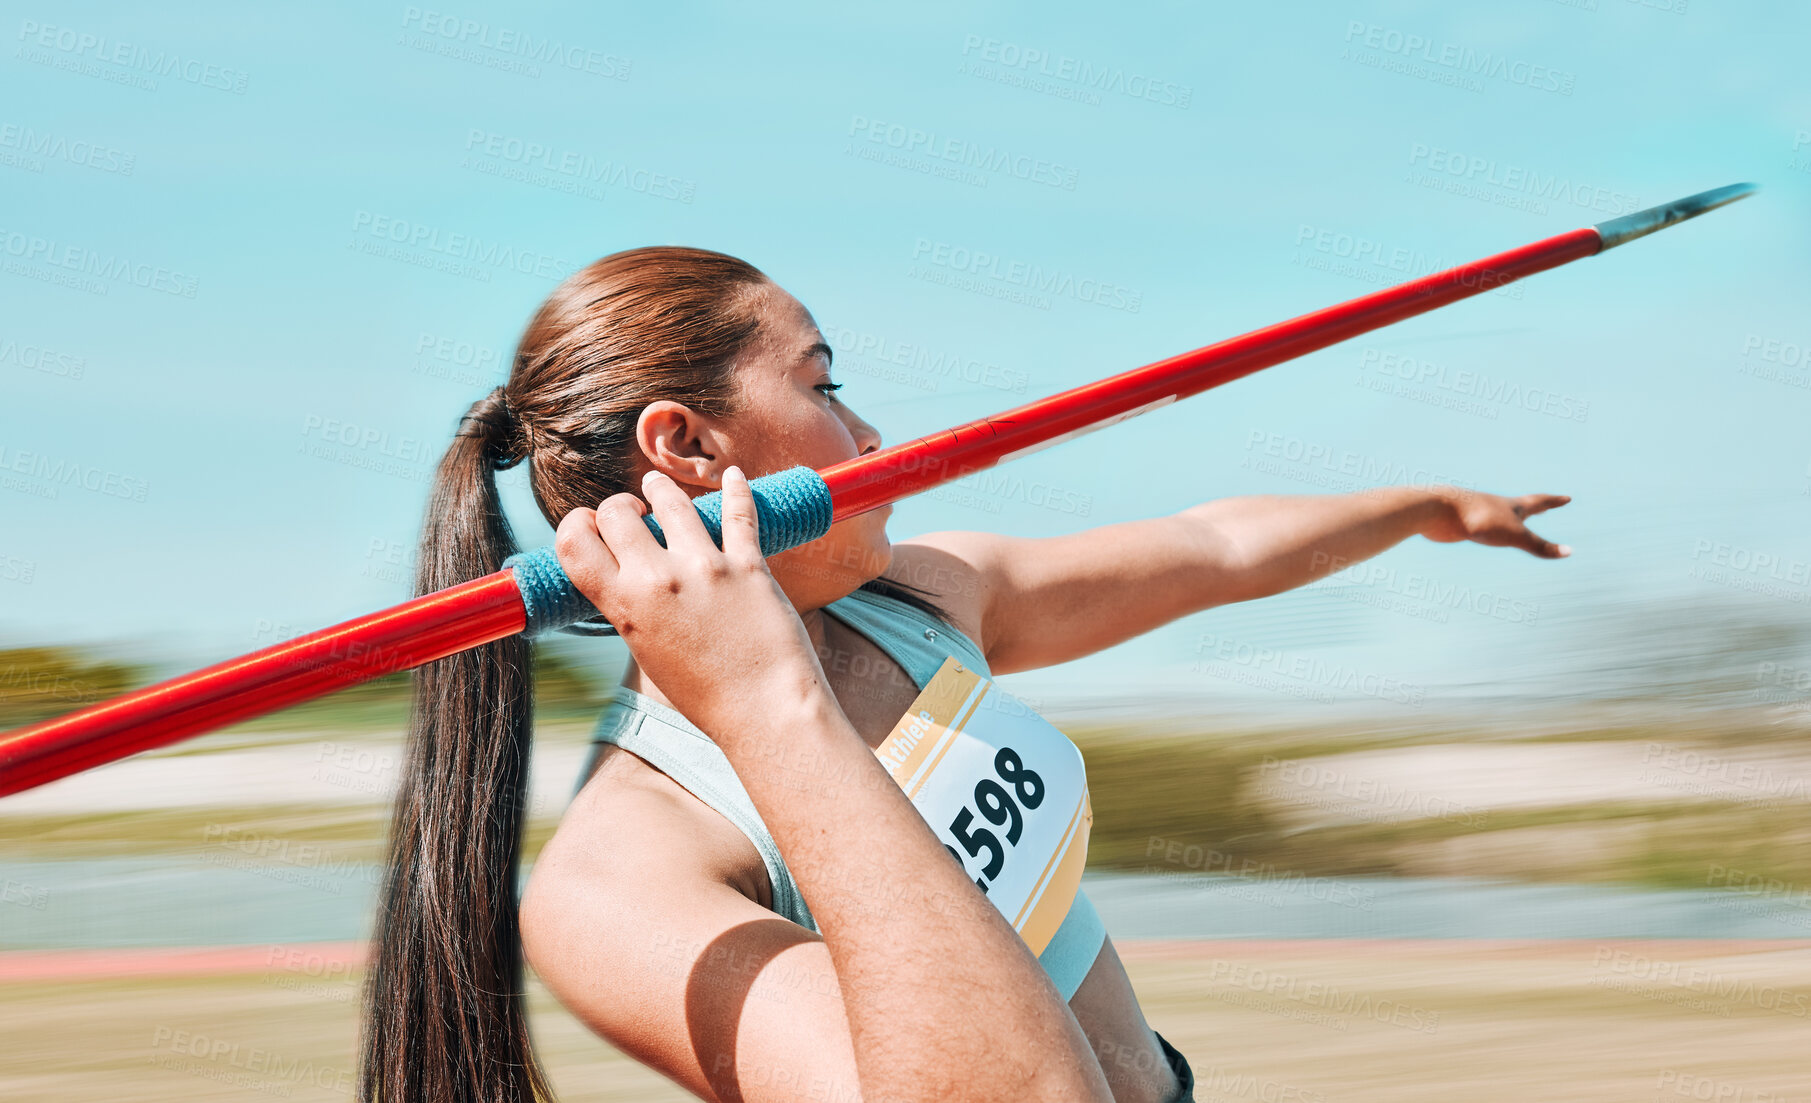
(830, 387)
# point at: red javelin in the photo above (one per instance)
(474, 613)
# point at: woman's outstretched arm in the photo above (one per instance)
(943, 998)
(1051, 600)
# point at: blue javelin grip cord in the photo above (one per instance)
(793, 507)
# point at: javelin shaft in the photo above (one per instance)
(488, 608)
(902, 470)
(870, 481)
(399, 638)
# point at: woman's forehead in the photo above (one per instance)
(789, 314)
(790, 334)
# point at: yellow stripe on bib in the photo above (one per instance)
(997, 783)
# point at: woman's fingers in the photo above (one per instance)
(1530, 504)
(583, 555)
(1527, 506)
(741, 522)
(678, 517)
(1544, 548)
(620, 525)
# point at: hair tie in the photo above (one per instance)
(492, 421)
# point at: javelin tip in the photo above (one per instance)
(1641, 223)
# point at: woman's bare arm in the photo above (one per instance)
(1051, 600)
(944, 1000)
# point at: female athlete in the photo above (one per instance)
(732, 897)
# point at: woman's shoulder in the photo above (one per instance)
(648, 817)
(947, 579)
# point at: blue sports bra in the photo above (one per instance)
(919, 643)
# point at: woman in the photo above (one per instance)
(668, 911)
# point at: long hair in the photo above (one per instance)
(444, 1018)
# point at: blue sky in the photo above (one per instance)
(234, 239)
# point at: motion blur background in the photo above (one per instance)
(255, 263)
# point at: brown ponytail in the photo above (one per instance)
(444, 1020)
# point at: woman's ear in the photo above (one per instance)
(682, 444)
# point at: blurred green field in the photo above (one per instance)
(1198, 790)
(1154, 794)
(1157, 787)
(37, 683)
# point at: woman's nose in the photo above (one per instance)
(867, 438)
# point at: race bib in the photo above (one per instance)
(1005, 791)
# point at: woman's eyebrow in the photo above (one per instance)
(829, 357)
